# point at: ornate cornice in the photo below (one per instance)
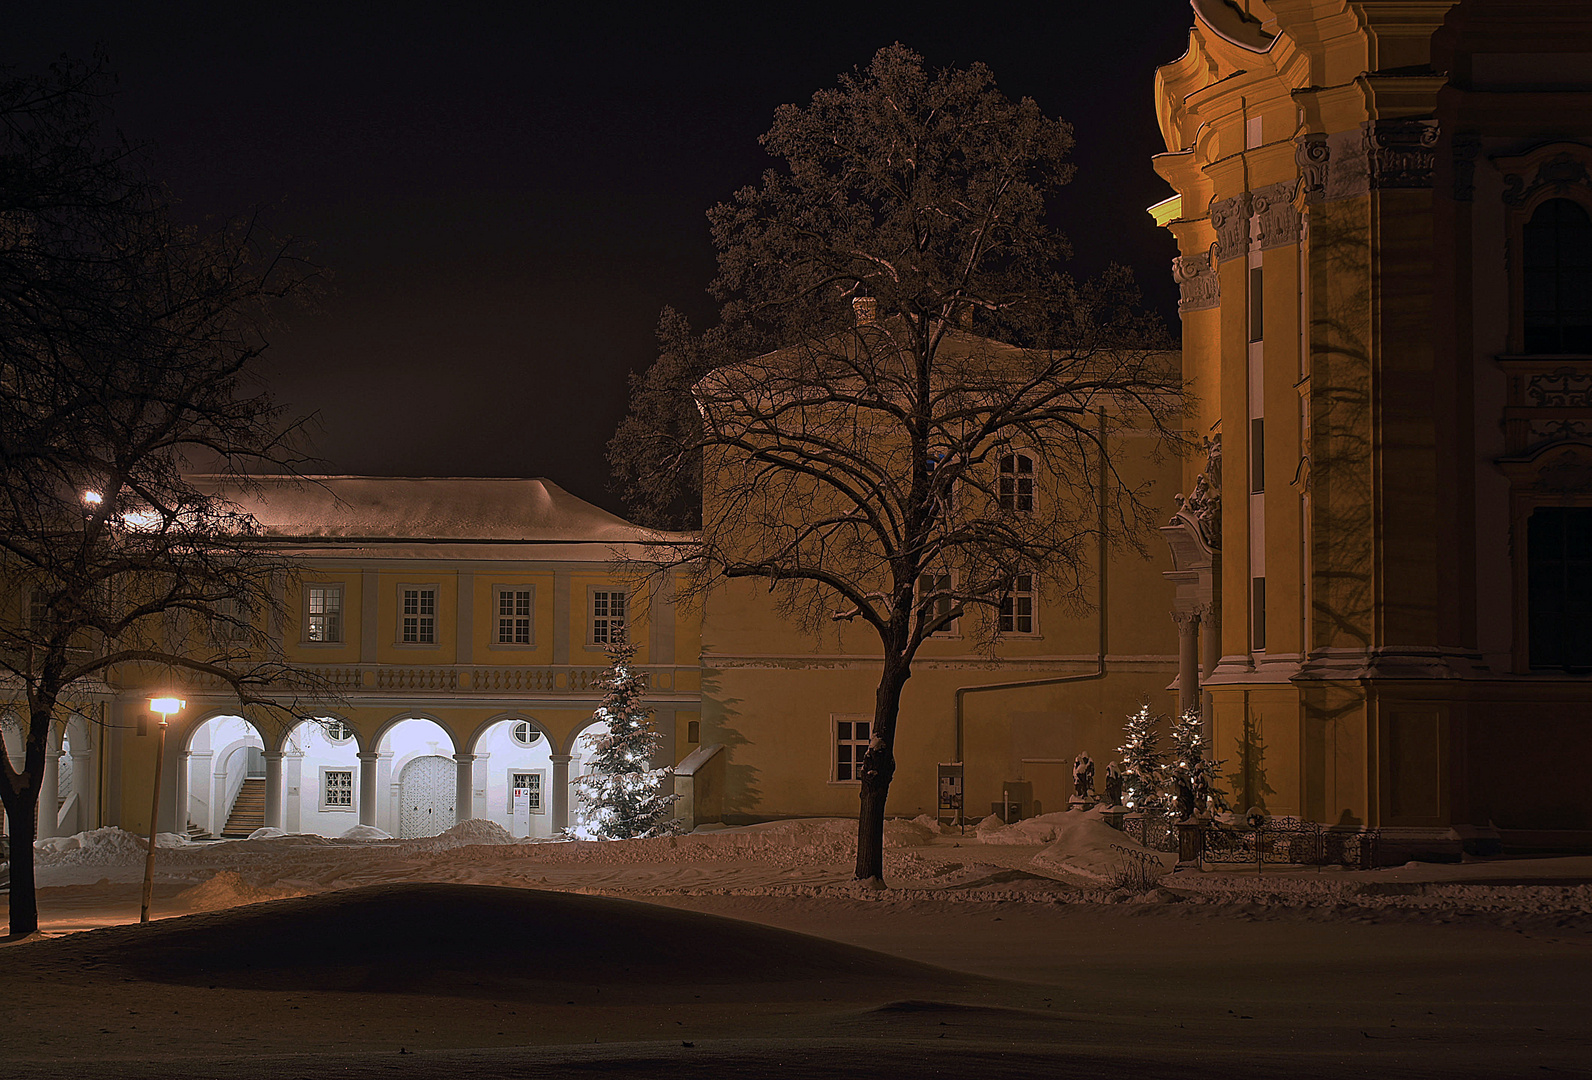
(1277, 218)
(1230, 219)
(1400, 153)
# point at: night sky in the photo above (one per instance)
(506, 197)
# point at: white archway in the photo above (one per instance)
(515, 752)
(410, 800)
(321, 774)
(225, 778)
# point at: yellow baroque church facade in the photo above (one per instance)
(1384, 220)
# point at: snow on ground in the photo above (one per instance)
(1071, 857)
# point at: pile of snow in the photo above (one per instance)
(467, 833)
(109, 846)
(1081, 843)
(366, 832)
(227, 889)
(267, 833)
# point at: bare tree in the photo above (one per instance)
(126, 350)
(906, 414)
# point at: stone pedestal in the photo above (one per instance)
(1190, 843)
(1113, 817)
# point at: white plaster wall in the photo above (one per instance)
(497, 756)
(319, 753)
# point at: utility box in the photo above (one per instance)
(1016, 803)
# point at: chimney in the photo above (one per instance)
(866, 309)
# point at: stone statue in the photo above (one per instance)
(1182, 794)
(1203, 505)
(1082, 776)
(1113, 784)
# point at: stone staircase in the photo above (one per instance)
(248, 809)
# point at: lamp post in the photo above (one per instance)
(165, 706)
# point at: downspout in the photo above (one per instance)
(1100, 608)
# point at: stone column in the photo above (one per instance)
(367, 787)
(558, 797)
(50, 792)
(86, 783)
(1188, 668)
(464, 788)
(1210, 656)
(273, 789)
(184, 761)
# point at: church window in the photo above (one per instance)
(1558, 279)
(1559, 587)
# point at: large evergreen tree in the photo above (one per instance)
(896, 326)
(620, 796)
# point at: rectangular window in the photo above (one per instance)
(1257, 456)
(38, 610)
(324, 605)
(419, 616)
(851, 743)
(231, 622)
(337, 789)
(1559, 588)
(1257, 613)
(607, 617)
(1015, 488)
(513, 617)
(530, 784)
(940, 605)
(1257, 305)
(1017, 606)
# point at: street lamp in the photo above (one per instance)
(165, 706)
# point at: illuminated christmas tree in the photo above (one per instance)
(1142, 763)
(1188, 753)
(619, 796)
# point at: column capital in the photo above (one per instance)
(1187, 621)
(272, 755)
(464, 759)
(368, 755)
(561, 759)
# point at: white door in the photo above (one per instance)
(426, 790)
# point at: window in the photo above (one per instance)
(1017, 606)
(1257, 456)
(693, 731)
(940, 605)
(419, 625)
(335, 730)
(231, 622)
(1257, 304)
(1559, 587)
(525, 734)
(38, 610)
(324, 621)
(851, 743)
(1557, 261)
(337, 789)
(530, 783)
(513, 617)
(607, 617)
(1016, 485)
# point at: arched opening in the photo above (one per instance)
(320, 770)
(416, 755)
(514, 766)
(224, 768)
(1557, 260)
(580, 752)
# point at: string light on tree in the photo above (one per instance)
(619, 797)
(1142, 763)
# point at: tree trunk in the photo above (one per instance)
(878, 769)
(22, 815)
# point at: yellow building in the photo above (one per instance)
(462, 624)
(1384, 218)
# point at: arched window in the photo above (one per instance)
(1559, 587)
(525, 734)
(1016, 488)
(1557, 260)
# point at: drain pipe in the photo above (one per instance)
(1100, 613)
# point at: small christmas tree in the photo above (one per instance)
(1142, 763)
(1188, 754)
(620, 798)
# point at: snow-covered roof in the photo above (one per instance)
(389, 509)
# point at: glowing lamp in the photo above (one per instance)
(165, 706)
(92, 498)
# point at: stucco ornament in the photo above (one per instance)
(1203, 505)
(1401, 153)
(1230, 219)
(1276, 216)
(1199, 288)
(1313, 156)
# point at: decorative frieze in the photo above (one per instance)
(1466, 148)
(1313, 155)
(1555, 167)
(1562, 389)
(1199, 288)
(1230, 219)
(1545, 431)
(1400, 153)
(1276, 216)
(1547, 401)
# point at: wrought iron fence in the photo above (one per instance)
(1280, 840)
